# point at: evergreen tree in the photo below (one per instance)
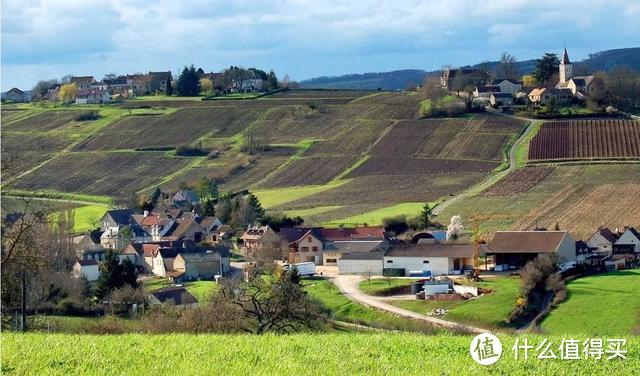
(273, 80)
(189, 82)
(425, 215)
(208, 208)
(108, 279)
(114, 275)
(546, 67)
(155, 196)
(254, 205)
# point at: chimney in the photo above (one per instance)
(146, 213)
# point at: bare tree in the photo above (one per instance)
(507, 67)
(274, 304)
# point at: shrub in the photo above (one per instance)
(186, 150)
(87, 116)
(397, 224)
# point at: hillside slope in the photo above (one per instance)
(399, 79)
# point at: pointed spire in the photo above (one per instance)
(565, 57)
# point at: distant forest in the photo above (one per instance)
(401, 79)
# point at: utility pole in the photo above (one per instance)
(23, 303)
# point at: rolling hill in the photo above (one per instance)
(399, 79)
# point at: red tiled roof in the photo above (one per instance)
(353, 233)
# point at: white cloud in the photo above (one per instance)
(136, 35)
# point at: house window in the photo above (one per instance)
(389, 261)
(425, 261)
(309, 240)
(315, 249)
(304, 249)
(331, 261)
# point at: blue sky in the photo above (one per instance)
(304, 39)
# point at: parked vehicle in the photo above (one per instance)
(304, 268)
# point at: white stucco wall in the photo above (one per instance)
(360, 266)
(567, 249)
(436, 265)
(598, 241)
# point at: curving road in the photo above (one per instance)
(348, 285)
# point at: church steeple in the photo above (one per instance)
(565, 57)
(566, 68)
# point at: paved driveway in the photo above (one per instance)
(348, 285)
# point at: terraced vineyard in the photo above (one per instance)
(112, 174)
(183, 126)
(579, 139)
(578, 198)
(346, 152)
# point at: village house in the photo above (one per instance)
(16, 95)
(93, 96)
(87, 269)
(185, 199)
(201, 265)
(263, 243)
(507, 86)
(183, 229)
(501, 99)
(544, 96)
(251, 85)
(82, 82)
(602, 241)
(303, 244)
(89, 246)
(516, 248)
(448, 76)
(160, 82)
(119, 229)
(138, 84)
(628, 242)
(186, 263)
(174, 296)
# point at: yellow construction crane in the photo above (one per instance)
(477, 241)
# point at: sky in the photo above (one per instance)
(43, 39)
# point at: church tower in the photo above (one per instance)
(566, 68)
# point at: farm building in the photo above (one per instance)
(629, 241)
(175, 296)
(87, 269)
(602, 240)
(361, 263)
(516, 248)
(544, 96)
(435, 258)
(334, 251)
(16, 95)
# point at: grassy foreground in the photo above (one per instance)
(601, 304)
(299, 354)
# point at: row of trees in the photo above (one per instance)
(193, 82)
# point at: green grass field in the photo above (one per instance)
(606, 304)
(86, 217)
(375, 217)
(489, 311)
(199, 289)
(343, 309)
(299, 354)
(274, 197)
